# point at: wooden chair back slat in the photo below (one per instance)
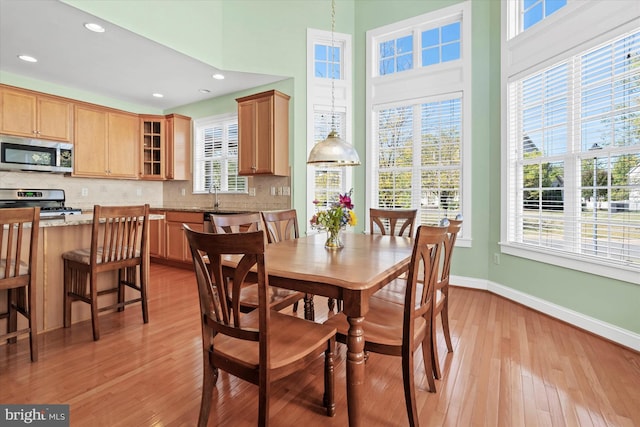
(281, 225)
(394, 222)
(236, 223)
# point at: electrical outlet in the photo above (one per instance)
(84, 192)
(183, 192)
(279, 191)
(138, 192)
(252, 191)
(286, 191)
(496, 258)
(273, 191)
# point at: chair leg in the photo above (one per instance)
(328, 399)
(68, 276)
(123, 276)
(209, 378)
(409, 389)
(263, 400)
(144, 279)
(93, 288)
(33, 324)
(12, 314)
(435, 361)
(427, 357)
(444, 316)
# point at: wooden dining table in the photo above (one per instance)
(366, 263)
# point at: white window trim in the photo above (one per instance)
(408, 86)
(211, 120)
(319, 94)
(577, 27)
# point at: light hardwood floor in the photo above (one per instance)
(511, 366)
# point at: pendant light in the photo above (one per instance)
(333, 150)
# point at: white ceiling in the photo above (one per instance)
(117, 63)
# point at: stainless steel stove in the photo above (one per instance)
(51, 202)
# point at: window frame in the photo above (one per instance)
(396, 89)
(319, 101)
(199, 161)
(574, 29)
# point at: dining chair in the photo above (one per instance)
(19, 229)
(385, 221)
(119, 242)
(393, 222)
(261, 346)
(247, 222)
(398, 330)
(283, 225)
(441, 296)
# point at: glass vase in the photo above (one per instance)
(333, 239)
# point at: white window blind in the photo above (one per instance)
(328, 182)
(574, 155)
(216, 156)
(419, 158)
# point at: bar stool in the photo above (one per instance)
(119, 242)
(16, 276)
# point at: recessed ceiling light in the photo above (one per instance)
(27, 58)
(158, 95)
(218, 76)
(96, 28)
(204, 91)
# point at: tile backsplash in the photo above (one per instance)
(83, 193)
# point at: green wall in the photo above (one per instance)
(270, 37)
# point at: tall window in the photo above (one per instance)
(216, 156)
(419, 158)
(419, 126)
(573, 182)
(328, 82)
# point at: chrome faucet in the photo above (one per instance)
(214, 189)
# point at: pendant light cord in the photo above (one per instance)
(333, 95)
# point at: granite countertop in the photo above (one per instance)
(82, 219)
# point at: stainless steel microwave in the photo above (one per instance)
(35, 155)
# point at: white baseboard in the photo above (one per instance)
(611, 332)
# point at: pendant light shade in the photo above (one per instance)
(333, 151)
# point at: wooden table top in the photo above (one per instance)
(366, 261)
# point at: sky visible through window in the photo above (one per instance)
(535, 11)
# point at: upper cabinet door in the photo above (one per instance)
(90, 147)
(263, 139)
(36, 116)
(123, 139)
(106, 143)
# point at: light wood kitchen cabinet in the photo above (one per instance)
(263, 134)
(157, 231)
(29, 114)
(178, 147)
(106, 143)
(166, 147)
(177, 246)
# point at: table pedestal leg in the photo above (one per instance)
(355, 370)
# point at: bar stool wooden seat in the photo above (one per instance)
(19, 229)
(119, 242)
